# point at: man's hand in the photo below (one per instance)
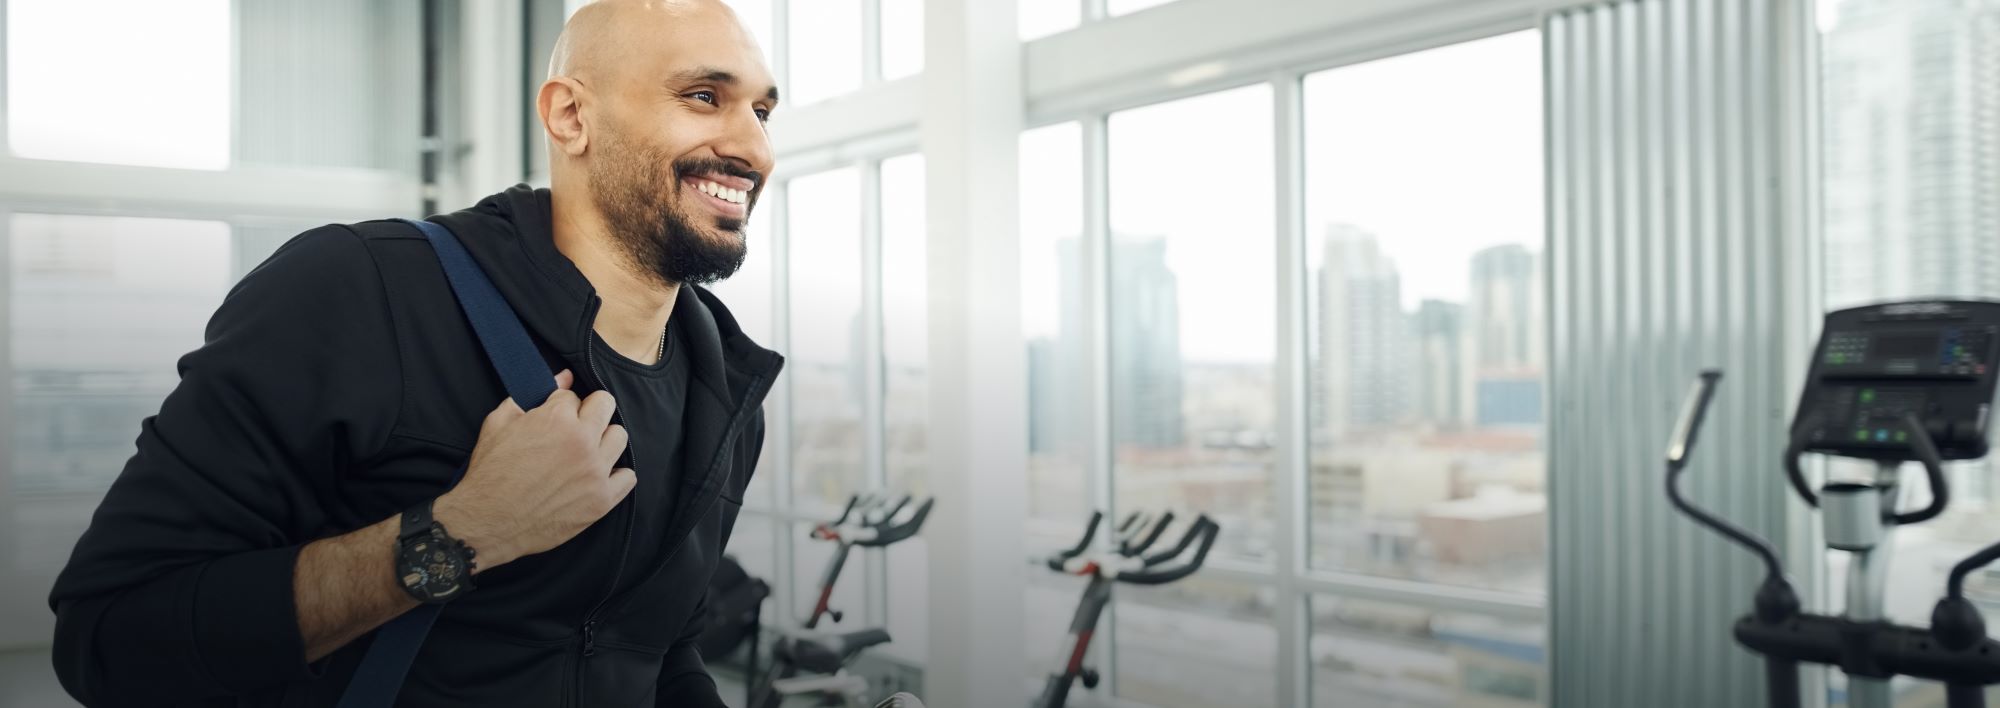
(538, 478)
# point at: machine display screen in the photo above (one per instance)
(1903, 346)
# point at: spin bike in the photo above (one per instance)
(868, 522)
(1129, 564)
(1891, 383)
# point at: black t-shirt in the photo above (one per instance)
(652, 400)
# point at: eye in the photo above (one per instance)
(763, 115)
(707, 97)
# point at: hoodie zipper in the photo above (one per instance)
(589, 628)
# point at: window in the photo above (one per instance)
(902, 32)
(905, 333)
(100, 309)
(824, 227)
(1372, 653)
(825, 58)
(77, 90)
(906, 401)
(1197, 643)
(1041, 18)
(1192, 317)
(1052, 312)
(1911, 206)
(1423, 240)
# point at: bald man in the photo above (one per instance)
(248, 553)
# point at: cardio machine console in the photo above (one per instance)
(1877, 363)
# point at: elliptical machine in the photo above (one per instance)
(868, 521)
(1129, 564)
(1890, 383)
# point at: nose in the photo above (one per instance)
(745, 142)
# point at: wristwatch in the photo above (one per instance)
(431, 566)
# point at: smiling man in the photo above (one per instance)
(250, 551)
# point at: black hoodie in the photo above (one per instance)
(339, 383)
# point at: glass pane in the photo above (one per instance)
(1377, 654)
(748, 296)
(1123, 7)
(905, 349)
(1192, 405)
(75, 92)
(902, 38)
(1426, 322)
(1911, 207)
(905, 333)
(100, 310)
(826, 382)
(826, 50)
(1041, 18)
(1198, 643)
(1052, 311)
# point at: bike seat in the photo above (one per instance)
(826, 652)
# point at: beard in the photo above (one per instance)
(635, 188)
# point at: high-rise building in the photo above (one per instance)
(1146, 374)
(1912, 149)
(1438, 330)
(1506, 317)
(1363, 333)
(1503, 384)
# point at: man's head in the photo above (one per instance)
(656, 108)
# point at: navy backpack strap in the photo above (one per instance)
(528, 382)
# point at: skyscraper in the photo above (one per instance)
(1363, 334)
(1912, 149)
(1506, 310)
(1505, 380)
(1438, 329)
(1146, 375)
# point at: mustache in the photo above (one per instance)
(697, 165)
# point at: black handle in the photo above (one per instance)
(852, 502)
(1130, 519)
(1187, 539)
(893, 511)
(895, 533)
(1927, 453)
(1208, 530)
(1793, 452)
(1680, 449)
(1964, 695)
(1152, 537)
(1056, 561)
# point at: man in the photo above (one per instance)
(249, 551)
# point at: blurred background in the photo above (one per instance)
(1376, 284)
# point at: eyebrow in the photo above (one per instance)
(720, 76)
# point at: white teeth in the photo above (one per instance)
(733, 196)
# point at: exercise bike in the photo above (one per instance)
(1129, 564)
(1889, 383)
(868, 522)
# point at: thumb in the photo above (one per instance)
(565, 379)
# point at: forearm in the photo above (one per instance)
(345, 587)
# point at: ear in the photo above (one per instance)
(560, 105)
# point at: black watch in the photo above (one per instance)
(431, 566)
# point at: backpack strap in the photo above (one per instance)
(528, 381)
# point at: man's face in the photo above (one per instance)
(678, 153)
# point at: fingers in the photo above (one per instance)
(597, 409)
(564, 379)
(623, 480)
(611, 445)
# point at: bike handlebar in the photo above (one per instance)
(1159, 529)
(1203, 528)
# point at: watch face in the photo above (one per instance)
(431, 568)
